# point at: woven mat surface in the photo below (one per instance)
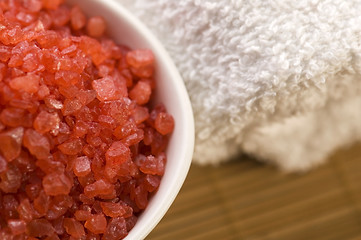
(247, 200)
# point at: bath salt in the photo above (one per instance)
(81, 148)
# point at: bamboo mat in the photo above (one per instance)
(247, 200)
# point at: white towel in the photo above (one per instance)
(279, 80)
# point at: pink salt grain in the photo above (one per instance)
(141, 62)
(74, 228)
(45, 122)
(117, 229)
(141, 92)
(97, 224)
(140, 114)
(151, 182)
(151, 165)
(164, 123)
(67, 78)
(43, 91)
(116, 209)
(15, 117)
(3, 164)
(82, 215)
(11, 140)
(41, 203)
(140, 58)
(25, 210)
(37, 144)
(106, 89)
(71, 106)
(71, 147)
(100, 187)
(53, 103)
(77, 18)
(60, 16)
(17, 227)
(57, 184)
(33, 5)
(28, 83)
(118, 152)
(39, 228)
(52, 4)
(116, 155)
(96, 26)
(82, 166)
(10, 179)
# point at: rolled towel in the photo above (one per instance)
(277, 79)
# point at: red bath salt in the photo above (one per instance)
(45, 122)
(97, 224)
(73, 227)
(82, 149)
(17, 226)
(96, 26)
(11, 141)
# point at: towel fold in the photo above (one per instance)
(277, 79)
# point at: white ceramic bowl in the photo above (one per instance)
(126, 29)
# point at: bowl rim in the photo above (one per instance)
(154, 217)
(154, 213)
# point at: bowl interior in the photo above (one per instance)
(125, 29)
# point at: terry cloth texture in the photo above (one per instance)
(277, 79)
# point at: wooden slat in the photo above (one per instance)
(247, 200)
